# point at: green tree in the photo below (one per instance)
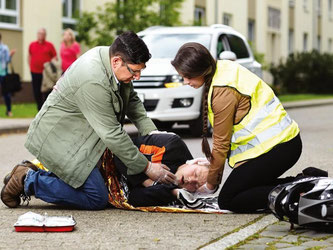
(101, 27)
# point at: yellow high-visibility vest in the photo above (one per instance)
(266, 124)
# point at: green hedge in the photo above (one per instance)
(306, 72)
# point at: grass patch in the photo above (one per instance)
(302, 97)
(24, 110)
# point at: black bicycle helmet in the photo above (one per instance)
(307, 202)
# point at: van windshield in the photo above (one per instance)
(167, 45)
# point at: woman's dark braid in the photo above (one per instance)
(204, 144)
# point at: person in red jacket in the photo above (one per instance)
(40, 52)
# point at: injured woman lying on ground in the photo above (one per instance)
(129, 191)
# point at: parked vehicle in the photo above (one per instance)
(165, 97)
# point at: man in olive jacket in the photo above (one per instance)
(82, 117)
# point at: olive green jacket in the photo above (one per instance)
(83, 116)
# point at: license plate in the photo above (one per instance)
(142, 97)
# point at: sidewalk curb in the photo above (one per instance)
(23, 128)
(242, 234)
(306, 104)
(14, 130)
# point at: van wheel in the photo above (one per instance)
(163, 125)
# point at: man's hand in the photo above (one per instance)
(160, 172)
(206, 189)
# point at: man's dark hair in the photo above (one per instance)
(130, 48)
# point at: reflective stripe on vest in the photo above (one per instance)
(266, 124)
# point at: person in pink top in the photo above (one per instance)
(69, 49)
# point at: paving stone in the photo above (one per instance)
(330, 240)
(262, 240)
(300, 230)
(282, 245)
(314, 243)
(290, 238)
(275, 234)
(278, 227)
(314, 234)
(252, 247)
(294, 248)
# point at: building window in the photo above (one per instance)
(330, 45)
(319, 43)
(199, 16)
(251, 27)
(71, 10)
(305, 5)
(305, 42)
(227, 19)
(319, 7)
(291, 41)
(291, 3)
(330, 11)
(9, 13)
(274, 18)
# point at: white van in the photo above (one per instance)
(165, 98)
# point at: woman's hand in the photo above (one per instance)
(205, 189)
(12, 52)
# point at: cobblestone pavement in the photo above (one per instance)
(280, 236)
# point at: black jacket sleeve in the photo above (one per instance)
(157, 195)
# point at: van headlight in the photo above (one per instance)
(173, 81)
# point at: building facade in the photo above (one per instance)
(274, 27)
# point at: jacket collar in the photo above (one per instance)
(104, 54)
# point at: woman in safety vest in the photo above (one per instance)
(252, 131)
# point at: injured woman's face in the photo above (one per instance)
(191, 177)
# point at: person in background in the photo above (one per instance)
(40, 52)
(69, 49)
(5, 57)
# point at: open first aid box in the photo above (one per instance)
(32, 222)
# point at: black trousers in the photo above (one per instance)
(247, 187)
(36, 85)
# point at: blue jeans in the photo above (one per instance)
(92, 195)
(6, 97)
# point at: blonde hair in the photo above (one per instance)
(71, 33)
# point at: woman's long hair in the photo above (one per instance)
(193, 60)
(72, 34)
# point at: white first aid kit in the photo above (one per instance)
(33, 222)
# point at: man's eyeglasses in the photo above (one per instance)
(133, 72)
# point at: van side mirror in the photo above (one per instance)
(228, 55)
